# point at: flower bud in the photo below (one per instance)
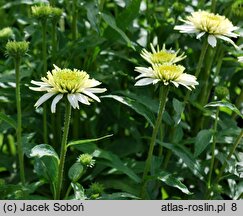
(86, 160)
(221, 92)
(17, 49)
(237, 8)
(6, 33)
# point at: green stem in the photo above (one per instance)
(54, 40)
(200, 63)
(236, 143)
(205, 78)
(213, 148)
(74, 20)
(19, 122)
(68, 192)
(63, 149)
(213, 6)
(44, 57)
(163, 96)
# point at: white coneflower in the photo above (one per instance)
(75, 84)
(165, 73)
(213, 25)
(161, 56)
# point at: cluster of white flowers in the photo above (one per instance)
(163, 69)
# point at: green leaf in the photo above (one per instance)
(9, 120)
(42, 150)
(179, 108)
(202, 141)
(112, 160)
(172, 181)
(112, 23)
(115, 162)
(181, 152)
(119, 196)
(92, 13)
(138, 107)
(46, 163)
(225, 104)
(75, 171)
(126, 17)
(79, 142)
(78, 191)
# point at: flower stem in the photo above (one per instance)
(236, 143)
(213, 148)
(43, 72)
(213, 6)
(163, 96)
(74, 20)
(63, 149)
(200, 63)
(19, 122)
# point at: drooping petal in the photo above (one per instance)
(144, 81)
(43, 98)
(200, 35)
(55, 101)
(73, 100)
(96, 90)
(212, 40)
(227, 39)
(90, 94)
(82, 98)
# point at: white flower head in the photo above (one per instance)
(213, 25)
(166, 73)
(161, 56)
(75, 84)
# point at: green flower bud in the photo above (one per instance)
(86, 160)
(56, 13)
(6, 33)
(237, 8)
(41, 12)
(221, 92)
(96, 189)
(178, 7)
(17, 49)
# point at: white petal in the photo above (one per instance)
(96, 90)
(227, 39)
(41, 88)
(144, 70)
(82, 98)
(73, 101)
(212, 40)
(175, 83)
(57, 68)
(39, 83)
(240, 58)
(200, 35)
(55, 101)
(144, 81)
(187, 80)
(90, 94)
(43, 98)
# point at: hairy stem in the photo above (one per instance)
(163, 96)
(213, 149)
(19, 122)
(63, 149)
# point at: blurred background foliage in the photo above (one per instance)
(106, 43)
